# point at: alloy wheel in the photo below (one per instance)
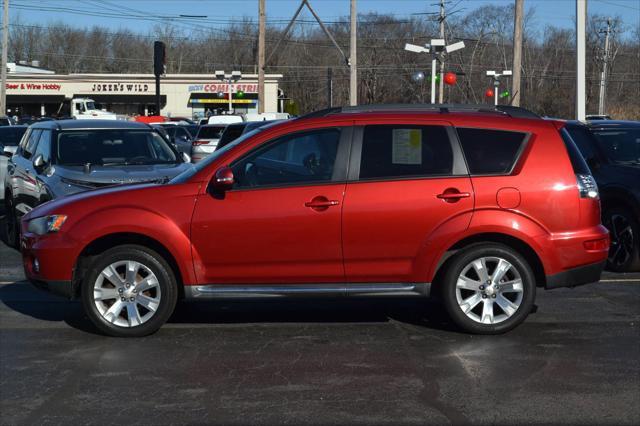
(489, 290)
(622, 239)
(127, 293)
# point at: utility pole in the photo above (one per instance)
(261, 50)
(581, 50)
(441, 88)
(603, 74)
(5, 48)
(353, 57)
(517, 53)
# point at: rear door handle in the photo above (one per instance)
(454, 195)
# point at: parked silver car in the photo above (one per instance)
(206, 141)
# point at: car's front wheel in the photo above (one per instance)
(130, 291)
(12, 224)
(488, 288)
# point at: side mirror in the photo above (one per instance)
(186, 158)
(39, 163)
(223, 180)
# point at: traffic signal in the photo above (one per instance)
(159, 58)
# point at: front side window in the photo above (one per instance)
(112, 147)
(44, 146)
(400, 151)
(303, 158)
(490, 152)
(30, 143)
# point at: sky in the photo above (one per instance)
(115, 14)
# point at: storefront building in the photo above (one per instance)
(182, 95)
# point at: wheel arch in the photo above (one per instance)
(517, 244)
(108, 241)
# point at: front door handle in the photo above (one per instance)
(321, 203)
(452, 195)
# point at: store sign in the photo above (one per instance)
(120, 88)
(34, 86)
(221, 87)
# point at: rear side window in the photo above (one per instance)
(577, 161)
(490, 152)
(398, 151)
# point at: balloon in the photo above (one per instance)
(488, 93)
(418, 77)
(450, 78)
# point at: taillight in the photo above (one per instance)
(587, 186)
(600, 244)
(199, 142)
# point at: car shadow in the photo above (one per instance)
(25, 299)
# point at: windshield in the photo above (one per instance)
(230, 134)
(112, 147)
(10, 136)
(90, 106)
(622, 146)
(210, 132)
(195, 168)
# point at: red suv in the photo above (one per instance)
(477, 205)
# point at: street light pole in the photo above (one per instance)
(233, 78)
(433, 78)
(438, 49)
(496, 82)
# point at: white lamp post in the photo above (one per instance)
(233, 78)
(496, 82)
(438, 49)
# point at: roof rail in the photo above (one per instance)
(511, 111)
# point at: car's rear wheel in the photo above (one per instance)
(130, 291)
(624, 254)
(12, 224)
(488, 289)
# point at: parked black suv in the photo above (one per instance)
(612, 150)
(57, 158)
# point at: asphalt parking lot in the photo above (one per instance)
(395, 362)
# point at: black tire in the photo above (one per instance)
(12, 225)
(456, 267)
(624, 229)
(151, 260)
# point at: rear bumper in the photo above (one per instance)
(575, 276)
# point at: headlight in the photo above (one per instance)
(46, 224)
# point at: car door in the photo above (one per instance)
(281, 222)
(405, 182)
(21, 177)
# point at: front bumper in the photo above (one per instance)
(575, 276)
(60, 288)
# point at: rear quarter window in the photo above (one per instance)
(491, 152)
